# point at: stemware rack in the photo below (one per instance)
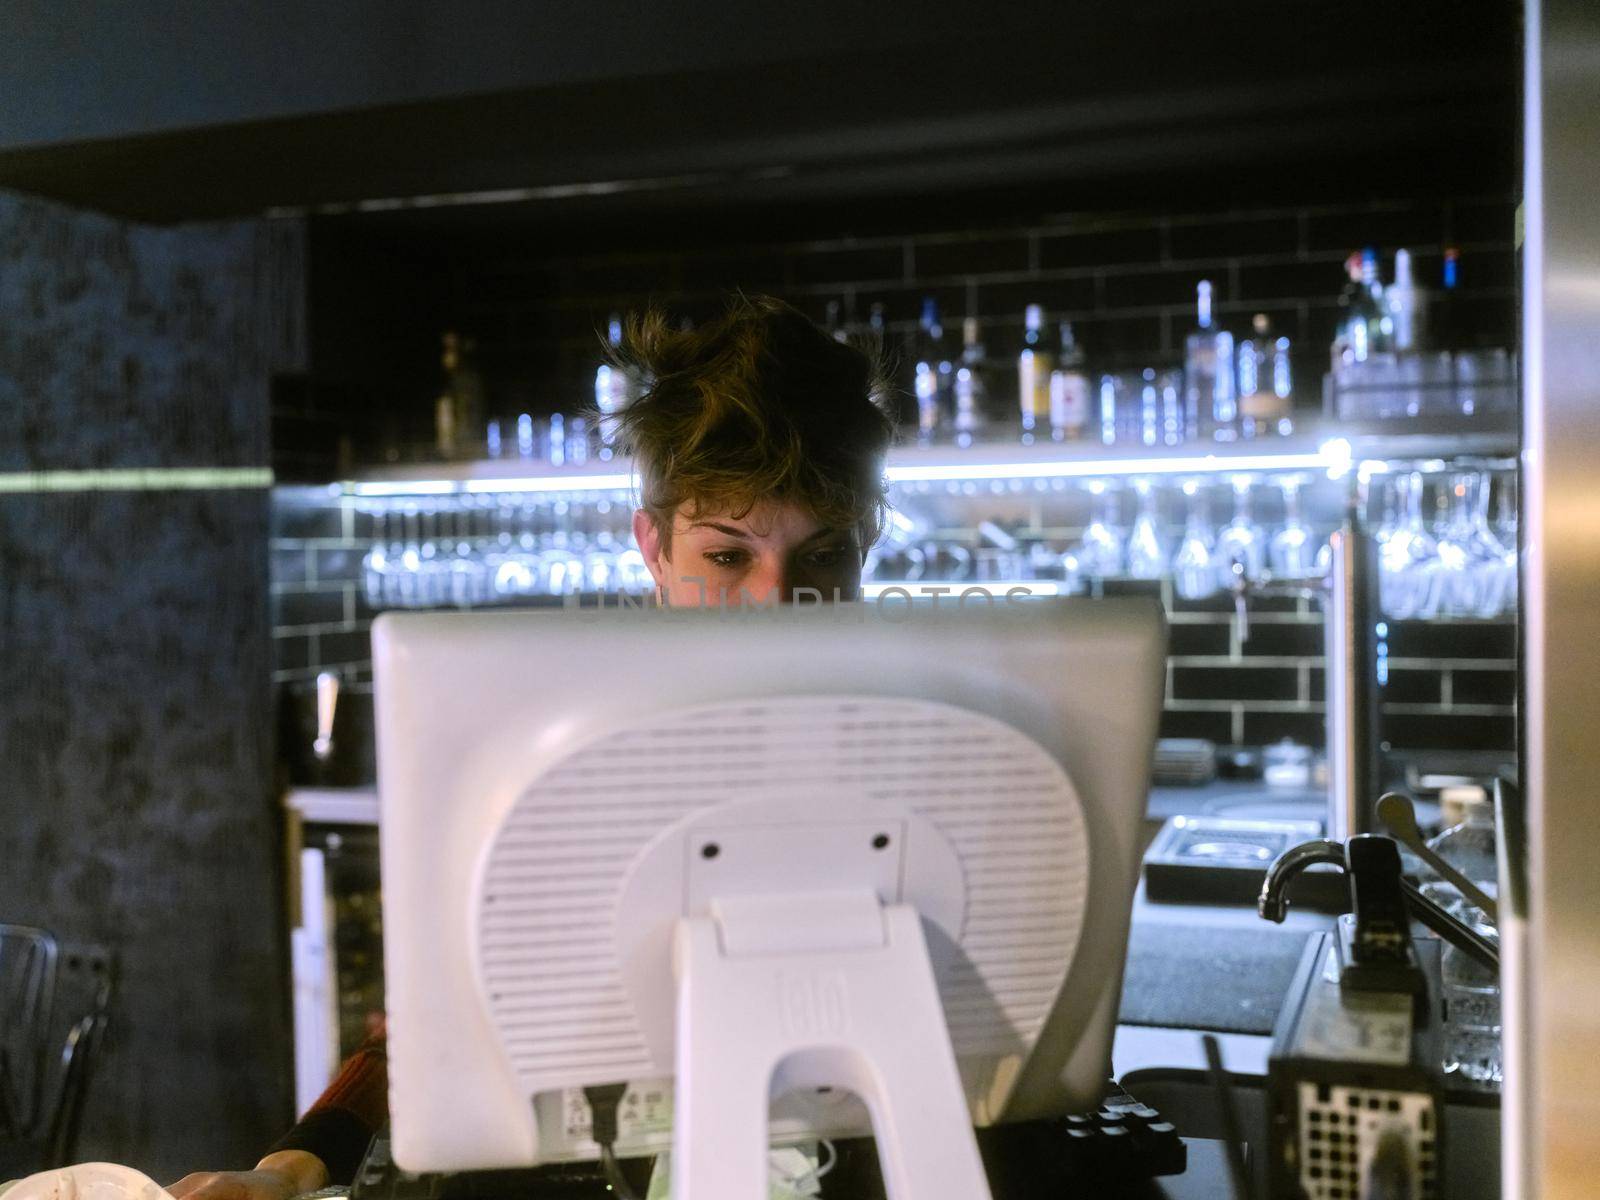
(1054, 517)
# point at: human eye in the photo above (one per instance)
(827, 556)
(725, 559)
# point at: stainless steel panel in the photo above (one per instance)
(1553, 1109)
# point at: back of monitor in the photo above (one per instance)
(1022, 741)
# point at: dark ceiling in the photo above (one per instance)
(1052, 106)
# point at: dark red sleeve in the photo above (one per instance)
(339, 1126)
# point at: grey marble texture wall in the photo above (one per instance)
(136, 788)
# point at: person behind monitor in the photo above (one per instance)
(760, 443)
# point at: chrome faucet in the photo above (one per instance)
(1274, 902)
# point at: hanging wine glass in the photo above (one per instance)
(1100, 553)
(1504, 531)
(464, 566)
(408, 581)
(375, 565)
(1293, 549)
(1241, 548)
(1409, 557)
(1194, 567)
(1147, 551)
(1467, 562)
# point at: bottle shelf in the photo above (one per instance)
(1335, 449)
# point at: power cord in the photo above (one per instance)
(603, 1103)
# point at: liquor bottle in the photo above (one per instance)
(1263, 380)
(1447, 334)
(1283, 384)
(971, 391)
(556, 449)
(1069, 391)
(1364, 328)
(614, 389)
(1350, 333)
(1408, 306)
(1210, 401)
(458, 410)
(577, 440)
(1109, 387)
(1034, 366)
(446, 423)
(1381, 334)
(1149, 409)
(934, 377)
(835, 322)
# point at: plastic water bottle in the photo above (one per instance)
(1471, 991)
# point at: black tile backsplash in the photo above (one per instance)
(1432, 731)
(1452, 639)
(971, 257)
(301, 606)
(1491, 686)
(1283, 640)
(1217, 726)
(1405, 686)
(851, 265)
(1401, 224)
(1185, 639)
(1128, 283)
(1101, 248)
(1235, 683)
(349, 648)
(1230, 237)
(1264, 728)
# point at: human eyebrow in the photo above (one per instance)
(823, 535)
(730, 530)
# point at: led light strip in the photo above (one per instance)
(1333, 456)
(136, 479)
(614, 482)
(1206, 464)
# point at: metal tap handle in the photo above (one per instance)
(1240, 587)
(1460, 935)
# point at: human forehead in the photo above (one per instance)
(767, 521)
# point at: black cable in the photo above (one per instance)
(1233, 1143)
(603, 1103)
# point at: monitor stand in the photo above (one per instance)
(807, 990)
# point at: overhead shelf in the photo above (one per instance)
(998, 461)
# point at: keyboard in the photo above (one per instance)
(1123, 1143)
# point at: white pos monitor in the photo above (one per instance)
(797, 872)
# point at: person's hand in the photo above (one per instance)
(276, 1177)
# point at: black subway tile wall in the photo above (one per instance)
(1127, 281)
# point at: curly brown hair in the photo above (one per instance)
(758, 404)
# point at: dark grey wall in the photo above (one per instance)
(89, 69)
(186, 109)
(136, 798)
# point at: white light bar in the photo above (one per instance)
(955, 467)
(136, 479)
(413, 487)
(1096, 468)
(614, 482)
(950, 590)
